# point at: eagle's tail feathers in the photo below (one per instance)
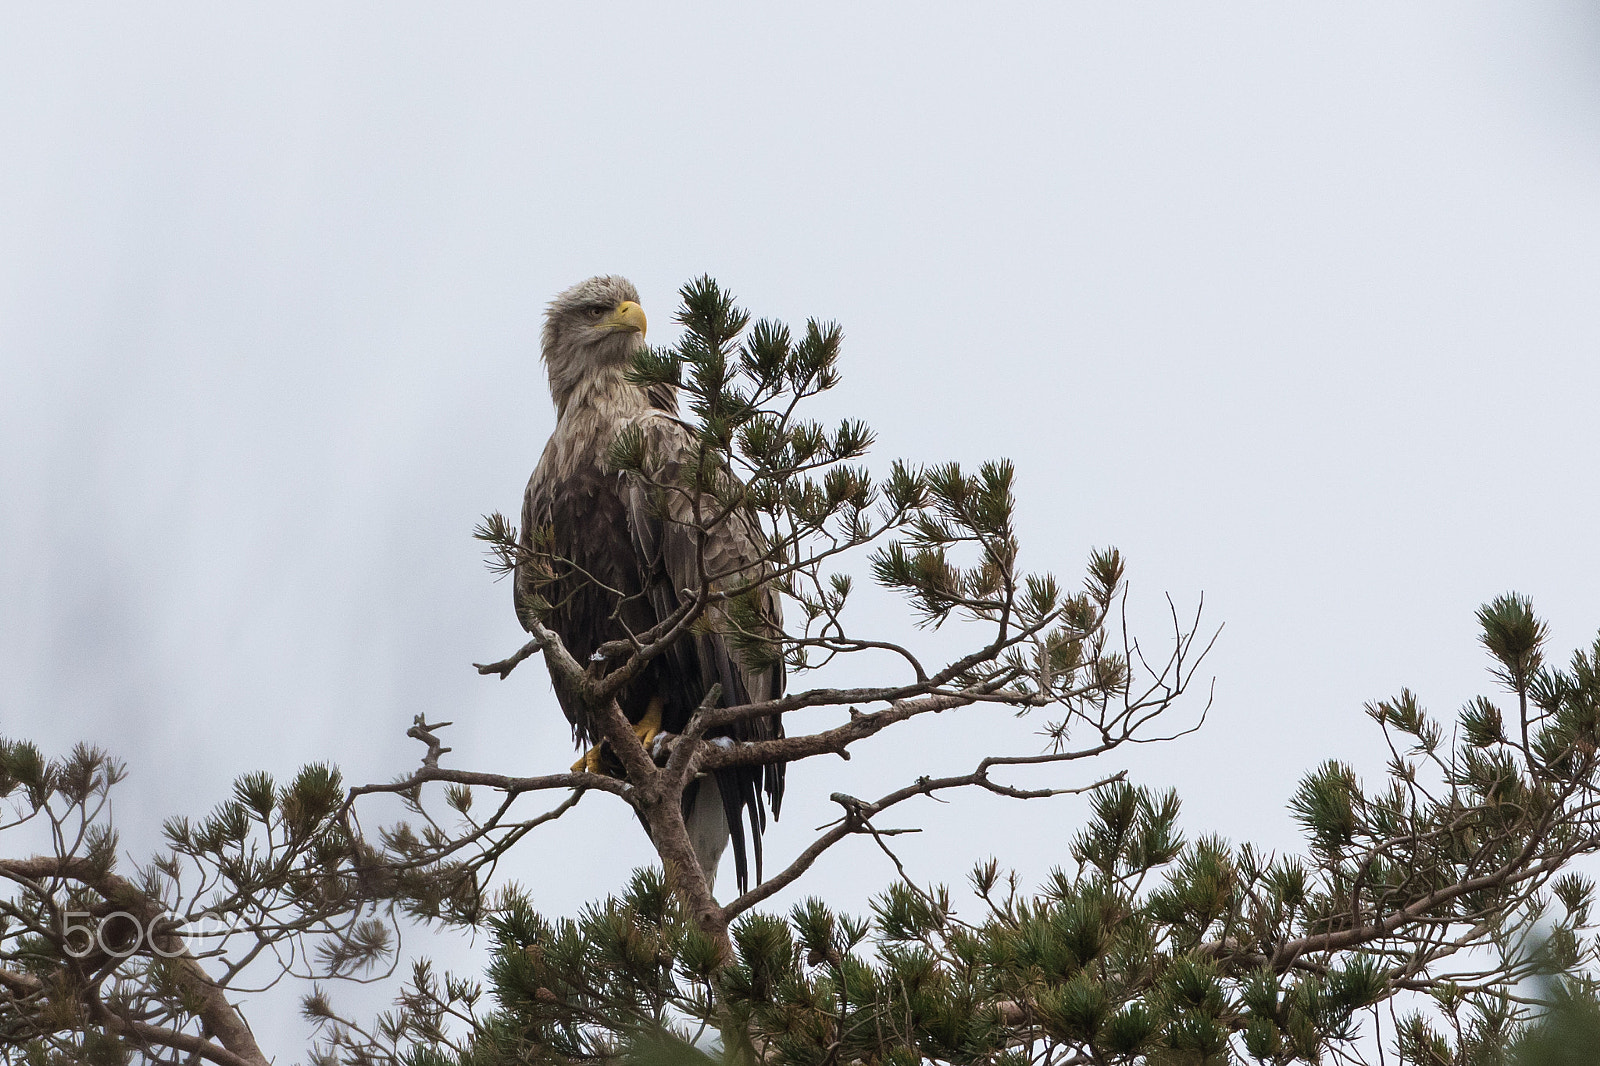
(730, 784)
(749, 786)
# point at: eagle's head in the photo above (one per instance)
(594, 326)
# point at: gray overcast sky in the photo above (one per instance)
(1296, 304)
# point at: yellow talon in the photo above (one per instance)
(649, 727)
(646, 729)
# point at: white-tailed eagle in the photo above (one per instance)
(616, 555)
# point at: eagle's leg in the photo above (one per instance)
(646, 729)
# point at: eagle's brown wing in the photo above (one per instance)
(675, 547)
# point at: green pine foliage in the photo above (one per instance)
(1145, 947)
(1438, 914)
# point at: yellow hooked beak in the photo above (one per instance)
(628, 317)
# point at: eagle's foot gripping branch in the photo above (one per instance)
(647, 729)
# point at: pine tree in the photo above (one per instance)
(1418, 922)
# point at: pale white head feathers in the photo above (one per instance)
(591, 328)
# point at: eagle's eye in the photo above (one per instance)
(596, 311)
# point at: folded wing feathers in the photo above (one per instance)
(670, 543)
